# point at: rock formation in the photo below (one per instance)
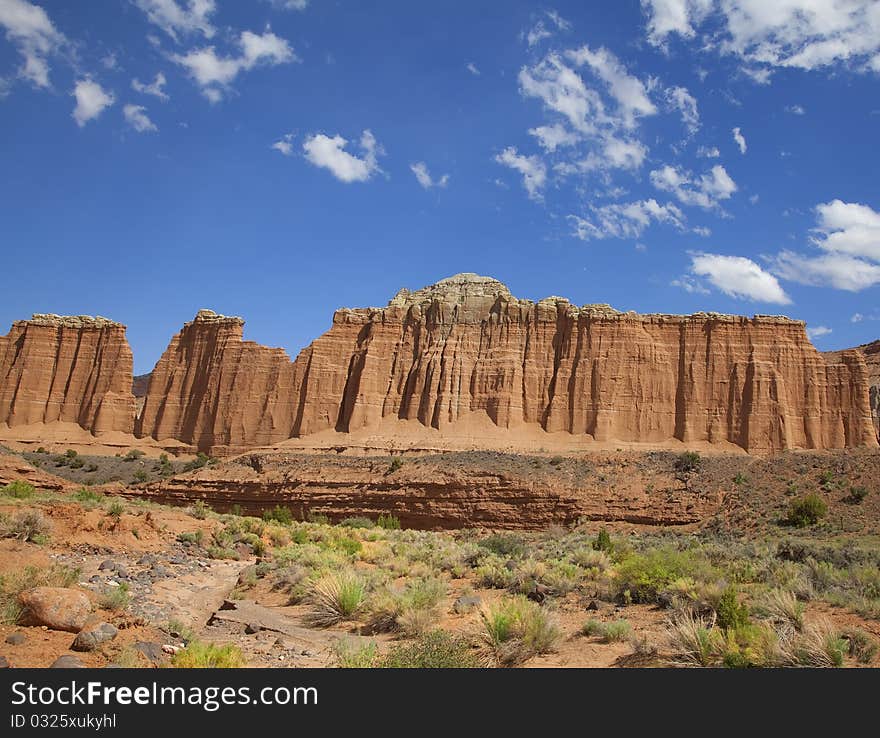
(74, 369)
(465, 349)
(871, 353)
(217, 392)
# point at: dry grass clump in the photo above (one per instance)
(334, 598)
(515, 629)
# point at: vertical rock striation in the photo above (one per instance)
(871, 354)
(71, 369)
(465, 349)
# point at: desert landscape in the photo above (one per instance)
(459, 479)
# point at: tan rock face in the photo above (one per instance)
(67, 368)
(871, 354)
(57, 608)
(465, 348)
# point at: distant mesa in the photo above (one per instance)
(456, 357)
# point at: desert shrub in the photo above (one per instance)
(334, 598)
(27, 526)
(515, 629)
(359, 521)
(351, 654)
(279, 514)
(784, 607)
(42, 450)
(116, 599)
(70, 453)
(133, 455)
(819, 645)
(76, 463)
(116, 508)
(140, 476)
(87, 496)
(201, 460)
(613, 632)
(748, 645)
(17, 581)
(503, 544)
(413, 609)
(692, 640)
(19, 490)
(805, 511)
(395, 465)
(493, 574)
(826, 480)
(740, 479)
(388, 522)
(197, 537)
(645, 575)
(350, 546)
(686, 462)
(200, 655)
(281, 536)
(436, 649)
(730, 612)
(200, 509)
(223, 553)
(862, 646)
(603, 541)
(857, 495)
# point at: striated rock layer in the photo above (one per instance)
(871, 353)
(74, 369)
(465, 349)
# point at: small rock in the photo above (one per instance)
(108, 565)
(466, 604)
(121, 572)
(153, 651)
(16, 639)
(593, 606)
(95, 579)
(229, 605)
(67, 661)
(57, 608)
(252, 628)
(170, 649)
(147, 560)
(160, 571)
(93, 635)
(4, 663)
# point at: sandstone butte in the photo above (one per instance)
(452, 357)
(871, 352)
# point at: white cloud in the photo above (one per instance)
(848, 228)
(420, 169)
(472, 68)
(532, 169)
(91, 99)
(857, 318)
(540, 31)
(795, 110)
(738, 277)
(290, 4)
(818, 331)
(155, 88)
(558, 20)
(740, 140)
(753, 199)
(708, 152)
(552, 137)
(689, 284)
(180, 17)
(329, 153)
(848, 235)
(31, 31)
(682, 100)
(629, 92)
(215, 73)
(702, 231)
(562, 90)
(705, 191)
(674, 16)
(840, 271)
(625, 220)
(137, 118)
(805, 34)
(284, 144)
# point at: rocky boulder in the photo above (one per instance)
(93, 635)
(58, 608)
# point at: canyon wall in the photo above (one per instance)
(871, 354)
(71, 369)
(455, 353)
(461, 356)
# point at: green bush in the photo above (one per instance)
(395, 465)
(336, 597)
(19, 490)
(70, 453)
(115, 598)
(115, 509)
(505, 545)
(603, 542)
(857, 495)
(201, 460)
(133, 455)
(356, 522)
(279, 514)
(805, 511)
(388, 522)
(730, 612)
(140, 476)
(437, 649)
(197, 537)
(613, 632)
(199, 655)
(515, 629)
(644, 576)
(689, 461)
(353, 655)
(200, 509)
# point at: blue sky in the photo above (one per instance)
(279, 159)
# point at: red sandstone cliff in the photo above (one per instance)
(465, 348)
(74, 369)
(871, 353)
